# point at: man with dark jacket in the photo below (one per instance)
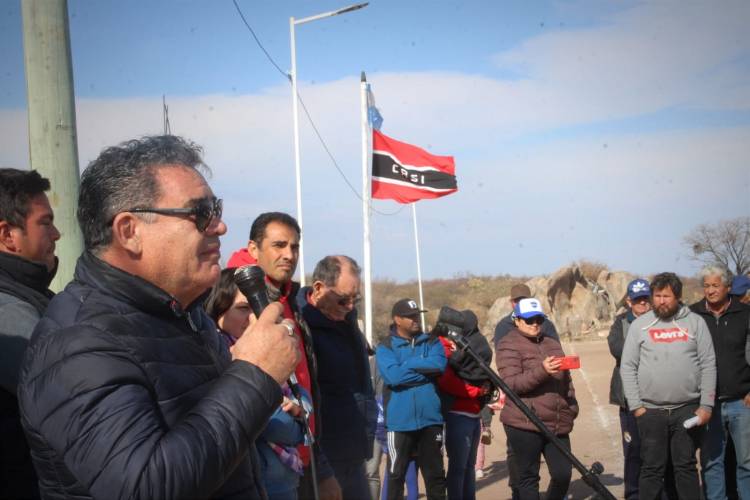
(728, 321)
(638, 302)
(410, 362)
(126, 389)
(274, 247)
(27, 266)
(348, 411)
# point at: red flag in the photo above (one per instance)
(406, 173)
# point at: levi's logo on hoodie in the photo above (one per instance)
(668, 335)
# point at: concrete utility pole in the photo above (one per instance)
(52, 120)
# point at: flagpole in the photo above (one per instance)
(366, 209)
(419, 267)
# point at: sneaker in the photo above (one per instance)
(486, 436)
(479, 473)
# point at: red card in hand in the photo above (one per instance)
(569, 362)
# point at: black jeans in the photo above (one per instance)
(663, 436)
(428, 443)
(528, 448)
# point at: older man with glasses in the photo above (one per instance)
(127, 391)
(348, 411)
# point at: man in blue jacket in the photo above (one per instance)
(409, 362)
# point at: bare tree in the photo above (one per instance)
(727, 242)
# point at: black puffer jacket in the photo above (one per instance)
(125, 395)
(730, 333)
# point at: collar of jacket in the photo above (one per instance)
(315, 318)
(28, 273)
(130, 288)
(26, 280)
(531, 338)
(418, 339)
(701, 308)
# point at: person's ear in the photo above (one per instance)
(253, 249)
(127, 232)
(318, 289)
(8, 234)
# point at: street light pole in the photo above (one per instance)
(295, 110)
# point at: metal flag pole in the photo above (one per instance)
(366, 207)
(419, 267)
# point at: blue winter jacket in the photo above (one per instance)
(409, 369)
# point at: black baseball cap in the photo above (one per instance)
(405, 308)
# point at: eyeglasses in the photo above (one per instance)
(534, 320)
(345, 300)
(204, 212)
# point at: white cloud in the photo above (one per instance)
(530, 199)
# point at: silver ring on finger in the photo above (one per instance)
(289, 329)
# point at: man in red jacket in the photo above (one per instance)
(274, 245)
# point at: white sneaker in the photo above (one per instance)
(479, 473)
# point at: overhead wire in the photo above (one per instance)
(309, 117)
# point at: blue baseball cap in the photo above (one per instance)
(638, 288)
(528, 308)
(740, 285)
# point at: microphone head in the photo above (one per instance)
(250, 278)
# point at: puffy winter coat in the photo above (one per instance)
(551, 397)
(410, 369)
(124, 394)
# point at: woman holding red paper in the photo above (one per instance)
(529, 362)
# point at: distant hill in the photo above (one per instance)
(478, 293)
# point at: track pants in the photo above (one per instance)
(427, 443)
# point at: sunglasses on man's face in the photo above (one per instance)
(346, 300)
(205, 211)
(534, 320)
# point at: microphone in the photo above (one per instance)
(251, 281)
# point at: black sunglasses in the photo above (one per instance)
(344, 300)
(534, 320)
(204, 212)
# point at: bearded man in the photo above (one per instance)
(668, 372)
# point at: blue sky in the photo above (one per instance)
(598, 130)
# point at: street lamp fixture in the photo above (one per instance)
(293, 74)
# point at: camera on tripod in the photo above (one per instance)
(451, 323)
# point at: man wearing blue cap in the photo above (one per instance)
(741, 288)
(638, 301)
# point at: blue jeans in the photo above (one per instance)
(731, 417)
(461, 441)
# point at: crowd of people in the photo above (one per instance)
(151, 376)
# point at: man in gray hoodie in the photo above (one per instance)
(668, 372)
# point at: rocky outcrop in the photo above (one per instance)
(577, 305)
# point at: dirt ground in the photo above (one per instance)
(595, 437)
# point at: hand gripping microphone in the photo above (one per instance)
(251, 280)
